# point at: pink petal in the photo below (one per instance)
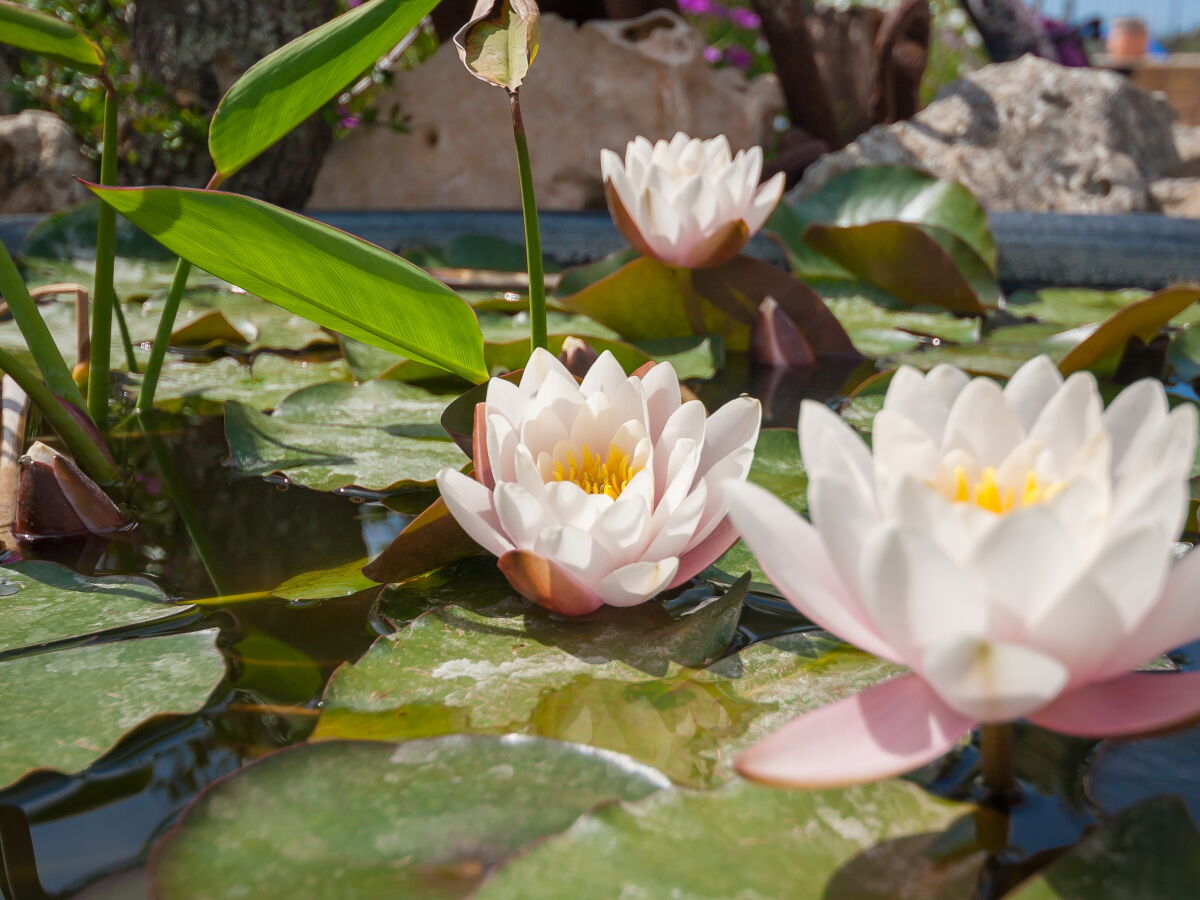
(884, 731)
(1128, 704)
(479, 451)
(548, 584)
(704, 554)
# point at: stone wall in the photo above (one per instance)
(593, 86)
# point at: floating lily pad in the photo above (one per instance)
(205, 388)
(1142, 319)
(63, 709)
(392, 406)
(325, 584)
(330, 457)
(1000, 353)
(42, 602)
(622, 680)
(1150, 851)
(740, 841)
(877, 331)
(424, 819)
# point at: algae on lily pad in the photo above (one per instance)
(422, 819)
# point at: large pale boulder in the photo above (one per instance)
(593, 86)
(39, 159)
(1034, 136)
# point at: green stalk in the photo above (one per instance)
(162, 337)
(183, 503)
(533, 234)
(90, 455)
(102, 292)
(166, 322)
(37, 336)
(126, 341)
(999, 776)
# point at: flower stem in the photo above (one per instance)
(33, 328)
(533, 235)
(162, 337)
(996, 748)
(91, 456)
(102, 292)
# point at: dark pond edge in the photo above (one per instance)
(1036, 249)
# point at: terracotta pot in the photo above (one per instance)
(1128, 39)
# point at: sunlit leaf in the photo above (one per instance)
(744, 841)
(646, 300)
(325, 584)
(312, 270)
(48, 36)
(1142, 319)
(65, 708)
(283, 89)
(500, 41)
(877, 194)
(352, 819)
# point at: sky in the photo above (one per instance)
(1163, 16)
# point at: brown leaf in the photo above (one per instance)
(1142, 319)
(500, 41)
(432, 540)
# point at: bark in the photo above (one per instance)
(785, 27)
(901, 54)
(196, 50)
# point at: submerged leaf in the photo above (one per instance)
(426, 818)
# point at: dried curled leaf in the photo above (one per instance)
(499, 43)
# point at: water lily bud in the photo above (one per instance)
(577, 355)
(1011, 546)
(688, 203)
(602, 492)
(55, 499)
(776, 342)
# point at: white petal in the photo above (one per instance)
(901, 448)
(982, 423)
(624, 527)
(576, 551)
(637, 583)
(661, 385)
(505, 398)
(521, 514)
(1069, 418)
(541, 364)
(471, 505)
(1031, 387)
(830, 446)
(732, 427)
(795, 559)
(605, 374)
(1137, 408)
(993, 682)
(676, 534)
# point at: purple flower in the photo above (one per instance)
(349, 122)
(739, 57)
(745, 18)
(712, 54)
(698, 7)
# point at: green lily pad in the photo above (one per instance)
(877, 331)
(392, 406)
(883, 193)
(741, 841)
(65, 708)
(325, 584)
(999, 354)
(330, 457)
(42, 602)
(623, 680)
(205, 388)
(424, 819)
(1142, 319)
(1150, 851)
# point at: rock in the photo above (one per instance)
(1030, 135)
(39, 159)
(1178, 196)
(1187, 143)
(593, 86)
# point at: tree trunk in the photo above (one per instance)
(1008, 29)
(196, 50)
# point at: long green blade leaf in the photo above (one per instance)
(282, 90)
(48, 36)
(334, 279)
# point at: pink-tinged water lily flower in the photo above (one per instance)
(602, 492)
(688, 203)
(1011, 546)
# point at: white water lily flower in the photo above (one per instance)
(686, 202)
(1011, 546)
(601, 492)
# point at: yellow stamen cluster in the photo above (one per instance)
(986, 493)
(597, 474)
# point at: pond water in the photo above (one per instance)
(60, 833)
